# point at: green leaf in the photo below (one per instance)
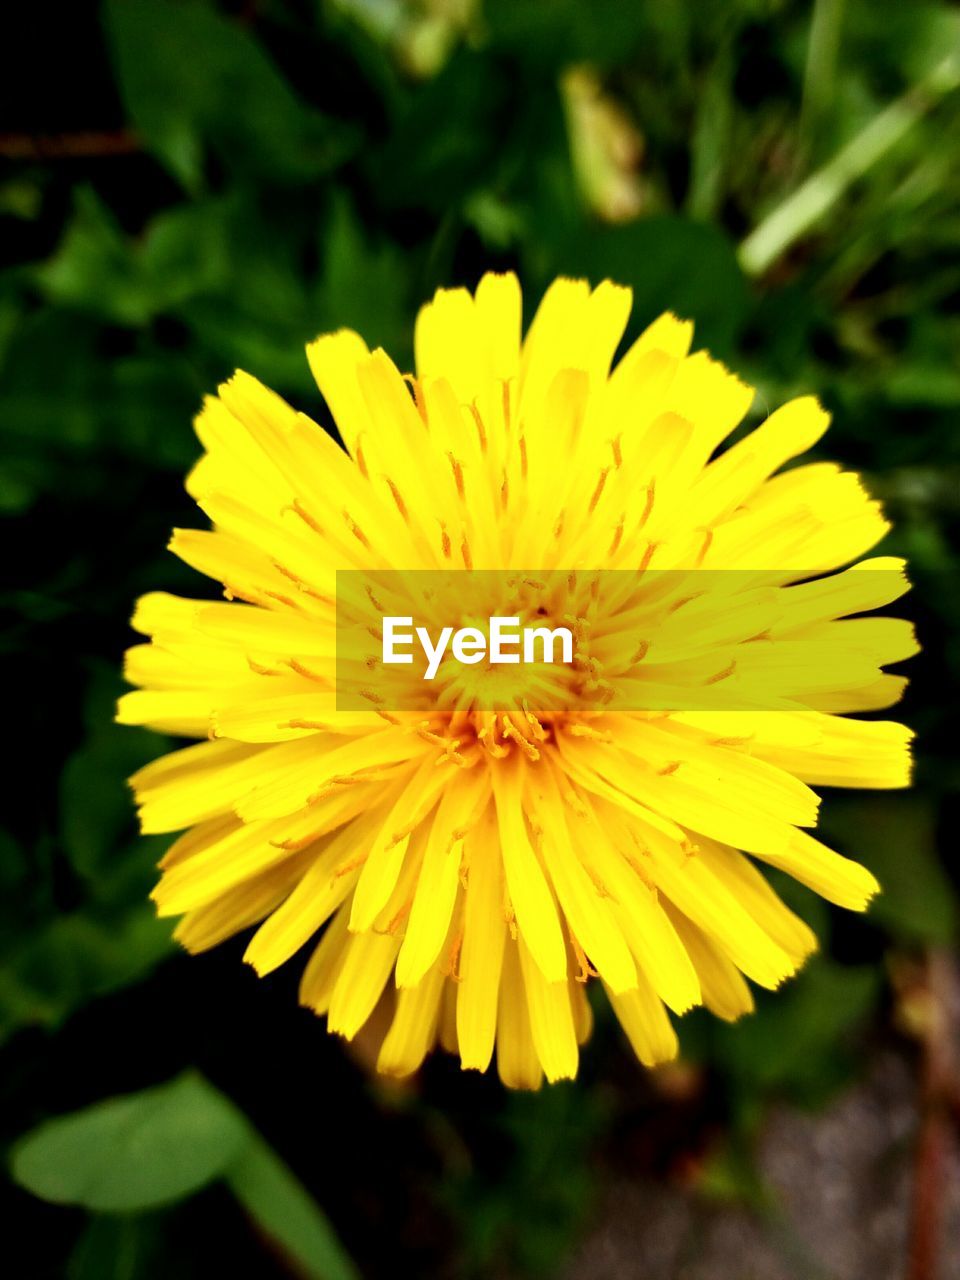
(134, 1152)
(421, 166)
(98, 269)
(191, 77)
(56, 968)
(13, 861)
(895, 836)
(60, 398)
(96, 810)
(565, 31)
(114, 1248)
(283, 1209)
(363, 286)
(153, 1148)
(800, 1043)
(93, 266)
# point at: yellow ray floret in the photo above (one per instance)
(475, 869)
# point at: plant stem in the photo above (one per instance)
(820, 70)
(821, 191)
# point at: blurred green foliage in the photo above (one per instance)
(153, 1148)
(188, 187)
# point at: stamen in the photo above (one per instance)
(398, 499)
(451, 968)
(574, 802)
(648, 505)
(360, 459)
(707, 540)
(617, 536)
(424, 731)
(261, 670)
(581, 730)
(599, 489)
(636, 865)
(647, 556)
(355, 529)
(587, 970)
(451, 755)
(346, 867)
(509, 730)
(295, 846)
(601, 888)
(309, 520)
(643, 648)
(487, 737)
(535, 724)
(232, 592)
(296, 665)
(510, 917)
(457, 475)
(288, 600)
(481, 429)
(401, 915)
(414, 385)
(300, 583)
(344, 780)
(722, 675)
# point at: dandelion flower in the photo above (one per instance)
(475, 869)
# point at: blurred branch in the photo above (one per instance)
(68, 146)
(710, 145)
(825, 187)
(938, 1003)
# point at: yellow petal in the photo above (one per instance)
(725, 992)
(834, 877)
(530, 894)
(326, 963)
(414, 1028)
(235, 909)
(517, 1062)
(481, 954)
(367, 965)
(644, 1019)
(551, 1019)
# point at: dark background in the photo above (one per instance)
(190, 187)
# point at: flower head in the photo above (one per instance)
(477, 862)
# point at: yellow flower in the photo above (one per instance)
(474, 867)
